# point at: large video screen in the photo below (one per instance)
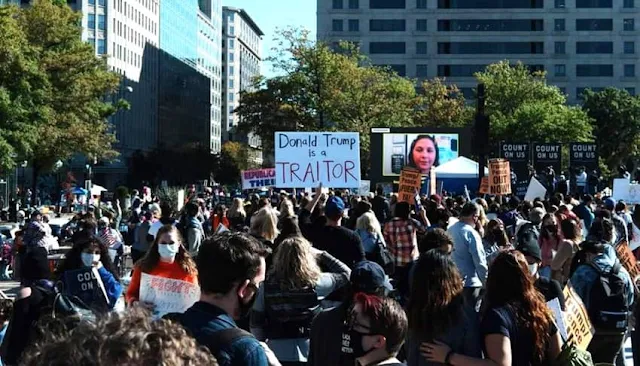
(420, 148)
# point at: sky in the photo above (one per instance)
(273, 14)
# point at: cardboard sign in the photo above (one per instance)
(410, 180)
(628, 260)
(535, 190)
(484, 185)
(168, 295)
(258, 178)
(304, 159)
(499, 177)
(576, 319)
(365, 187)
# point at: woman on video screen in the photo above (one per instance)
(423, 153)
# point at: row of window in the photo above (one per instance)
(480, 25)
(489, 48)
(101, 46)
(479, 4)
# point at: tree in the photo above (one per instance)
(615, 118)
(323, 90)
(521, 106)
(234, 157)
(82, 88)
(24, 91)
(441, 105)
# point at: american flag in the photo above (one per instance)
(108, 238)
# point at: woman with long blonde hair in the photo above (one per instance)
(289, 299)
(264, 225)
(237, 215)
(370, 232)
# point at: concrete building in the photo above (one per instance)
(241, 58)
(580, 43)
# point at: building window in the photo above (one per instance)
(421, 71)
(91, 21)
(421, 25)
(101, 2)
(628, 4)
(594, 70)
(387, 4)
(559, 4)
(421, 48)
(101, 22)
(560, 70)
(558, 25)
(92, 41)
(387, 47)
(490, 25)
(399, 69)
(477, 48)
(630, 71)
(421, 4)
(491, 4)
(594, 47)
(337, 4)
(629, 48)
(631, 91)
(354, 4)
(231, 70)
(594, 3)
(102, 46)
(230, 83)
(232, 43)
(336, 25)
(629, 24)
(354, 25)
(92, 2)
(594, 24)
(559, 48)
(459, 70)
(387, 25)
(231, 57)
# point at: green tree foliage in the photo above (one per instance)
(234, 157)
(615, 117)
(441, 105)
(523, 107)
(321, 90)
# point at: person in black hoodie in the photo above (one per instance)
(380, 206)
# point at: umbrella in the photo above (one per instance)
(79, 191)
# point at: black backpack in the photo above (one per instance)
(608, 309)
(383, 257)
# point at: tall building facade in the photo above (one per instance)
(241, 58)
(579, 43)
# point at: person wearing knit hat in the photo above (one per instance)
(549, 288)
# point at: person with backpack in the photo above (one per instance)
(375, 248)
(191, 229)
(606, 290)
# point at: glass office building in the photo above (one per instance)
(179, 29)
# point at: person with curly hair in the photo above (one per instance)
(131, 338)
(517, 326)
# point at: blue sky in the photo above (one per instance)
(273, 14)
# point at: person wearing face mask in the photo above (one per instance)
(375, 330)
(549, 288)
(549, 241)
(77, 267)
(231, 267)
(166, 258)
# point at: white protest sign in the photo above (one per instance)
(305, 159)
(554, 305)
(365, 187)
(621, 189)
(180, 199)
(168, 295)
(535, 190)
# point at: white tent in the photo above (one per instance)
(459, 167)
(96, 189)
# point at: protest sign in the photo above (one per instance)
(621, 189)
(258, 178)
(535, 190)
(106, 196)
(410, 180)
(628, 260)
(432, 181)
(365, 187)
(555, 307)
(484, 185)
(633, 194)
(86, 284)
(547, 155)
(168, 295)
(304, 159)
(583, 154)
(180, 199)
(579, 327)
(499, 177)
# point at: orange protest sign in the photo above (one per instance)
(628, 260)
(484, 185)
(579, 327)
(410, 180)
(499, 177)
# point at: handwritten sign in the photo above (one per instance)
(484, 185)
(304, 159)
(576, 319)
(168, 295)
(365, 187)
(410, 180)
(499, 177)
(628, 260)
(258, 178)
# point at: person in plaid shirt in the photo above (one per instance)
(400, 235)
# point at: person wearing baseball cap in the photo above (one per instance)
(549, 288)
(325, 346)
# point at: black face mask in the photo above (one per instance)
(245, 308)
(551, 228)
(352, 344)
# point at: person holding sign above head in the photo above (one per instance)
(88, 273)
(166, 258)
(424, 154)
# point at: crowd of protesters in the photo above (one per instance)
(334, 278)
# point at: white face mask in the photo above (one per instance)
(168, 251)
(533, 268)
(88, 259)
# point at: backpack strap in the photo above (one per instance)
(615, 269)
(224, 338)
